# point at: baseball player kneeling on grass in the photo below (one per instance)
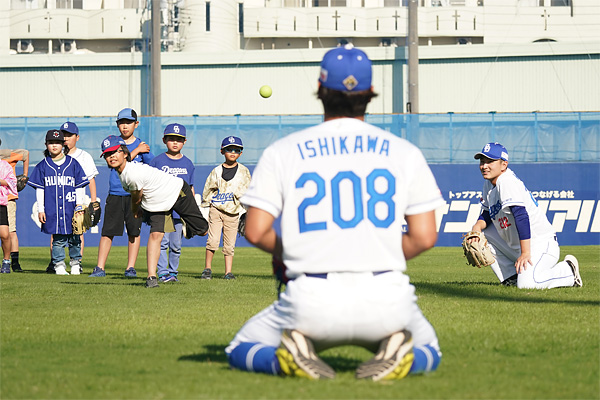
(342, 190)
(518, 233)
(159, 194)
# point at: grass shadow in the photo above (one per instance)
(472, 290)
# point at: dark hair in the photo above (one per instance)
(126, 151)
(65, 150)
(344, 104)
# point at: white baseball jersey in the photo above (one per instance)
(87, 163)
(342, 189)
(511, 191)
(160, 190)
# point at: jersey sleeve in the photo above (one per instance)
(423, 192)
(265, 191)
(36, 178)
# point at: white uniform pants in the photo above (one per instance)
(344, 308)
(545, 273)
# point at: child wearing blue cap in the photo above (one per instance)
(174, 163)
(518, 232)
(117, 210)
(222, 191)
(155, 195)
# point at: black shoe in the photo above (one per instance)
(512, 281)
(50, 268)
(16, 267)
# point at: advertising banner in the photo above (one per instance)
(569, 193)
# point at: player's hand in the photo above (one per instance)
(523, 262)
(143, 148)
(42, 217)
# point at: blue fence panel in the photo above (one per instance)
(443, 138)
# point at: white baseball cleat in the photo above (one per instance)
(574, 264)
(392, 361)
(297, 357)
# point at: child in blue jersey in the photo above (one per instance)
(174, 163)
(60, 183)
(117, 209)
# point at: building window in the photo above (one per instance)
(560, 3)
(329, 3)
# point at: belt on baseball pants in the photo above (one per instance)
(324, 276)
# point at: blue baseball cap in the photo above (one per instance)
(174, 130)
(54, 134)
(70, 127)
(127, 113)
(111, 143)
(230, 141)
(346, 69)
(493, 151)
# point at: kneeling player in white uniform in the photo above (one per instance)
(342, 189)
(518, 232)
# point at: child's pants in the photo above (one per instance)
(219, 221)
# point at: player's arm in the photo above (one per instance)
(25, 160)
(40, 198)
(136, 200)
(93, 189)
(523, 227)
(260, 232)
(143, 147)
(421, 234)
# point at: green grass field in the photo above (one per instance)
(74, 337)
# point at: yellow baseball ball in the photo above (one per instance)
(265, 91)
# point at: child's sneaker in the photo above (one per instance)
(166, 278)
(16, 267)
(174, 276)
(151, 282)
(229, 276)
(206, 274)
(5, 267)
(97, 272)
(50, 268)
(76, 268)
(60, 269)
(130, 273)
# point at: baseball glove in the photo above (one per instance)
(95, 213)
(477, 252)
(242, 225)
(78, 222)
(86, 217)
(21, 182)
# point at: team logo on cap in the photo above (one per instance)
(56, 134)
(487, 148)
(350, 82)
(106, 143)
(231, 139)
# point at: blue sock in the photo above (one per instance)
(427, 359)
(255, 357)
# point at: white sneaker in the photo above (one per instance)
(574, 264)
(76, 269)
(60, 269)
(392, 361)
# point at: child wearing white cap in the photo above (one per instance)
(222, 191)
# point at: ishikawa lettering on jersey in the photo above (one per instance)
(332, 146)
